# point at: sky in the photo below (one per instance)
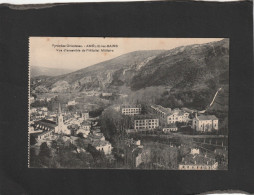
(73, 52)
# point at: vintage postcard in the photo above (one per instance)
(128, 103)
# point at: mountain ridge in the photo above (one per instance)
(198, 68)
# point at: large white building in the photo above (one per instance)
(205, 123)
(131, 110)
(177, 115)
(146, 123)
(169, 116)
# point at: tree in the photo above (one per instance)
(80, 135)
(32, 140)
(34, 160)
(44, 150)
(71, 108)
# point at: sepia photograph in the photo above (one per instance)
(128, 103)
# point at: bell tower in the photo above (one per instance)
(60, 119)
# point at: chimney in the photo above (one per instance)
(196, 115)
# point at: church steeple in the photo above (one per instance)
(60, 119)
(59, 109)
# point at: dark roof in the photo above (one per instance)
(46, 123)
(221, 151)
(131, 106)
(162, 109)
(207, 117)
(172, 125)
(147, 116)
(137, 151)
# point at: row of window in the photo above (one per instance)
(146, 122)
(142, 124)
(196, 167)
(146, 127)
(150, 120)
(131, 109)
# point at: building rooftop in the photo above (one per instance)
(207, 117)
(137, 151)
(97, 143)
(46, 123)
(131, 106)
(162, 109)
(171, 125)
(147, 116)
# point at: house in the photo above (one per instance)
(33, 110)
(219, 151)
(170, 128)
(86, 125)
(197, 162)
(205, 123)
(83, 131)
(73, 139)
(131, 110)
(96, 137)
(133, 155)
(146, 122)
(45, 109)
(41, 99)
(31, 99)
(131, 141)
(137, 157)
(71, 103)
(106, 94)
(85, 115)
(44, 135)
(194, 151)
(102, 146)
(48, 99)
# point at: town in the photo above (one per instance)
(79, 133)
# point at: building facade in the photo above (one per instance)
(127, 110)
(146, 123)
(170, 128)
(177, 115)
(85, 115)
(197, 161)
(205, 123)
